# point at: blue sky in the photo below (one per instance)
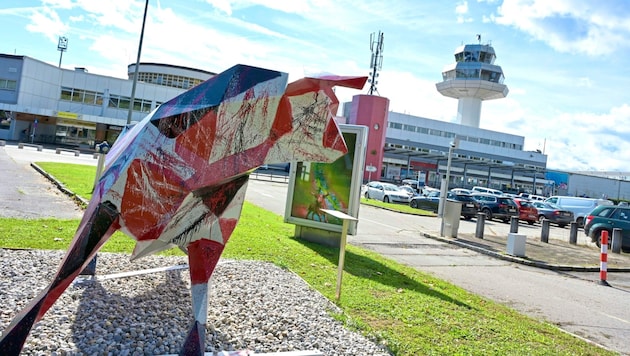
(565, 61)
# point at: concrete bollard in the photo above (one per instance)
(615, 245)
(544, 232)
(481, 222)
(514, 224)
(573, 233)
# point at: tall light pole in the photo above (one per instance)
(135, 74)
(62, 46)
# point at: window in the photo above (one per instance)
(8, 84)
(409, 128)
(395, 125)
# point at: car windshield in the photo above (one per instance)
(390, 187)
(463, 197)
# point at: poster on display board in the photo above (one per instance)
(336, 186)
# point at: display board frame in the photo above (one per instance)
(314, 186)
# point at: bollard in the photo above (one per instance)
(603, 260)
(481, 221)
(514, 224)
(573, 233)
(615, 244)
(544, 232)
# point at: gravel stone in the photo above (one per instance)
(254, 306)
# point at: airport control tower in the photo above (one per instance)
(472, 78)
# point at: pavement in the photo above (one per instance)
(557, 254)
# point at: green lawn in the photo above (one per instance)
(411, 312)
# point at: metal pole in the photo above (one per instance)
(444, 186)
(135, 75)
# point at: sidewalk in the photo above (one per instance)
(554, 255)
(557, 254)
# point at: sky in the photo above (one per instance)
(565, 61)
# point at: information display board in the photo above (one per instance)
(335, 186)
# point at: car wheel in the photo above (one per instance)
(530, 222)
(467, 217)
(541, 218)
(580, 222)
(367, 196)
(597, 236)
(562, 226)
(386, 199)
(414, 204)
(488, 213)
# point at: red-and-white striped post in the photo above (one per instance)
(603, 260)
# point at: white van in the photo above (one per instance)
(487, 190)
(580, 207)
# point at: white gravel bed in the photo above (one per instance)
(253, 306)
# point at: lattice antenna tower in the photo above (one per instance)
(376, 64)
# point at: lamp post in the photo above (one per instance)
(444, 186)
(135, 74)
(62, 46)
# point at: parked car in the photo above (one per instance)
(607, 218)
(413, 183)
(412, 192)
(429, 201)
(387, 192)
(553, 213)
(461, 191)
(497, 207)
(532, 197)
(470, 207)
(486, 190)
(526, 210)
(580, 207)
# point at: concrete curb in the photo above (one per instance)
(77, 199)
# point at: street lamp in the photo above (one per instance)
(135, 74)
(444, 185)
(62, 46)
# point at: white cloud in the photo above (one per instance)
(461, 9)
(47, 22)
(592, 28)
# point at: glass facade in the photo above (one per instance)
(168, 80)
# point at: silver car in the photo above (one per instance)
(387, 192)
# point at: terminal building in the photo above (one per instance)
(46, 104)
(43, 103)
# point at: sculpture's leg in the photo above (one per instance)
(90, 236)
(203, 256)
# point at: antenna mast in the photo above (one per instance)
(376, 63)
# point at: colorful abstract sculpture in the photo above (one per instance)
(178, 177)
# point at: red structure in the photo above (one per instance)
(371, 111)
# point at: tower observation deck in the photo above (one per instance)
(472, 78)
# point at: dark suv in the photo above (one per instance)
(497, 207)
(607, 218)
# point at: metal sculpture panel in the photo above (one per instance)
(178, 177)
